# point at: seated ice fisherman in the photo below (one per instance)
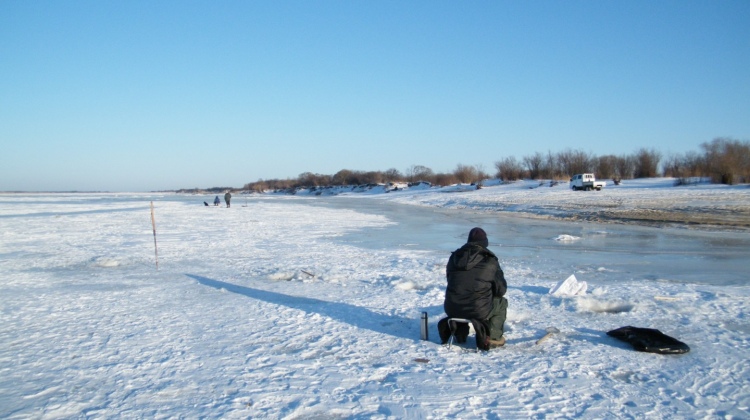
(217, 201)
(476, 290)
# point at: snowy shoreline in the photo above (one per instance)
(653, 202)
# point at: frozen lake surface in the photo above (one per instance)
(291, 307)
(628, 251)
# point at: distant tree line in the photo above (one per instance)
(723, 160)
(414, 174)
(562, 165)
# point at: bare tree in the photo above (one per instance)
(259, 186)
(466, 174)
(695, 164)
(624, 167)
(727, 160)
(563, 165)
(419, 173)
(646, 163)
(674, 166)
(444, 179)
(509, 169)
(581, 162)
(393, 175)
(533, 164)
(373, 177)
(606, 166)
(684, 166)
(565, 160)
(309, 179)
(743, 162)
(342, 177)
(550, 167)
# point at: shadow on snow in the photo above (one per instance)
(356, 316)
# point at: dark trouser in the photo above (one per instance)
(497, 317)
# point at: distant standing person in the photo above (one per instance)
(217, 201)
(227, 197)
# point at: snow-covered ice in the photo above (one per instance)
(569, 287)
(303, 307)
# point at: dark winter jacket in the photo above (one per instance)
(474, 279)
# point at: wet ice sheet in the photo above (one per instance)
(597, 251)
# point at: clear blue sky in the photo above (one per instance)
(151, 95)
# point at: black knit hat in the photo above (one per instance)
(478, 235)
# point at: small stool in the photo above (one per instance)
(452, 325)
